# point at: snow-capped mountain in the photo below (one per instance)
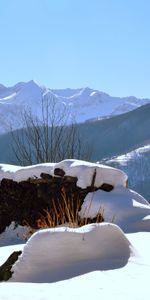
(83, 103)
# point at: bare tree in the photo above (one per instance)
(48, 138)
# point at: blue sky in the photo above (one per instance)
(103, 44)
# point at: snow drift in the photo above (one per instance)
(61, 253)
(122, 206)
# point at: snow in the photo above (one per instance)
(130, 281)
(109, 260)
(121, 206)
(75, 252)
(18, 173)
(84, 171)
(8, 97)
(135, 163)
(5, 251)
(124, 159)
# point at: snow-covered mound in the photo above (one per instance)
(18, 173)
(61, 253)
(83, 170)
(122, 206)
(84, 103)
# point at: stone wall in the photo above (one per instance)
(26, 201)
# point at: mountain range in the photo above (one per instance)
(83, 104)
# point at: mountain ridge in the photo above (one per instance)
(83, 103)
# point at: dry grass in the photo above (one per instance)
(66, 212)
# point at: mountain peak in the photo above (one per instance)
(33, 83)
(30, 85)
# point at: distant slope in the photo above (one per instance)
(119, 134)
(6, 151)
(136, 164)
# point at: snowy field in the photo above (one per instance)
(109, 260)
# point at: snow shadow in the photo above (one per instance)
(76, 270)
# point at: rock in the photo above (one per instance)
(59, 172)
(69, 179)
(106, 187)
(5, 269)
(46, 176)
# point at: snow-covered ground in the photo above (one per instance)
(125, 275)
(109, 260)
(83, 104)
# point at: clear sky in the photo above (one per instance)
(102, 44)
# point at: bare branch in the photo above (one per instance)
(48, 138)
